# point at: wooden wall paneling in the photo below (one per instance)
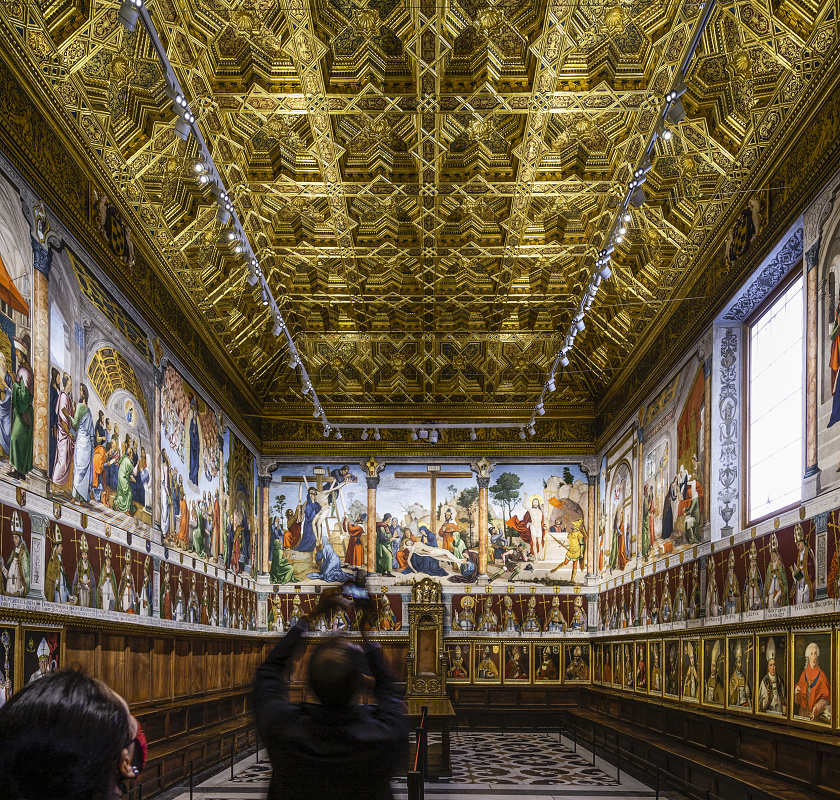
(181, 667)
(161, 688)
(139, 669)
(828, 775)
(211, 665)
(112, 649)
(756, 749)
(80, 649)
(226, 663)
(198, 676)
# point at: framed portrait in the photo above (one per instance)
(607, 674)
(641, 667)
(487, 659)
(672, 667)
(629, 666)
(714, 672)
(547, 663)
(771, 671)
(42, 653)
(517, 663)
(690, 670)
(618, 665)
(740, 672)
(811, 671)
(576, 663)
(598, 666)
(9, 667)
(656, 671)
(459, 662)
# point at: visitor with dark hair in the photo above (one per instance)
(338, 747)
(68, 737)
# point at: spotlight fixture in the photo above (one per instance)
(338, 433)
(294, 362)
(579, 323)
(622, 230)
(637, 199)
(376, 434)
(675, 92)
(129, 10)
(531, 429)
(238, 249)
(605, 271)
(414, 434)
(278, 328)
(327, 431)
(423, 434)
(232, 236)
(619, 238)
(264, 296)
(522, 432)
(222, 216)
(253, 277)
(364, 435)
(550, 384)
(317, 411)
(564, 360)
(540, 409)
(667, 135)
(433, 436)
(473, 435)
(307, 387)
(627, 217)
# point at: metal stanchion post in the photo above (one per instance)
(574, 735)
(560, 731)
(415, 785)
(231, 760)
(593, 745)
(424, 753)
(191, 780)
(657, 781)
(617, 761)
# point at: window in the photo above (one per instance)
(776, 378)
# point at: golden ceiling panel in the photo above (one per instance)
(425, 182)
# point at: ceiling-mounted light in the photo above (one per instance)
(231, 236)
(433, 436)
(364, 435)
(294, 361)
(605, 271)
(129, 10)
(522, 432)
(278, 328)
(264, 296)
(253, 277)
(316, 411)
(307, 387)
(238, 249)
(596, 280)
(550, 384)
(376, 434)
(637, 199)
(628, 217)
(564, 360)
(531, 429)
(540, 409)
(222, 216)
(622, 230)
(676, 92)
(619, 239)
(338, 433)
(327, 431)
(473, 434)
(423, 433)
(414, 434)
(579, 323)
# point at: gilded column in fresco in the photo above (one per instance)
(265, 482)
(372, 486)
(40, 357)
(707, 448)
(482, 470)
(811, 485)
(372, 468)
(589, 467)
(157, 493)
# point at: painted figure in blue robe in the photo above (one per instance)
(194, 443)
(426, 564)
(329, 564)
(276, 537)
(307, 537)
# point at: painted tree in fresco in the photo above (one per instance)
(466, 500)
(568, 478)
(505, 491)
(280, 506)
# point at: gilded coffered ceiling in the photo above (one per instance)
(425, 182)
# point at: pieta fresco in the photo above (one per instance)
(427, 522)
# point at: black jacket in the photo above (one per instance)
(321, 753)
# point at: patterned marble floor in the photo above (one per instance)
(504, 766)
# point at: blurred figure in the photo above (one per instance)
(68, 737)
(338, 748)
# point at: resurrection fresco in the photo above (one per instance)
(427, 522)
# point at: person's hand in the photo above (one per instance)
(330, 599)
